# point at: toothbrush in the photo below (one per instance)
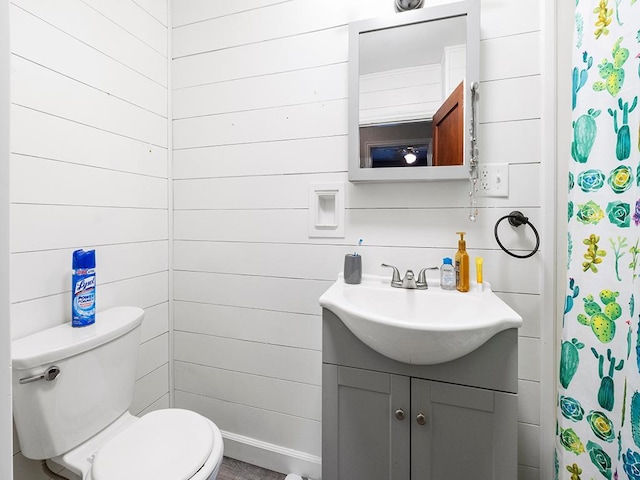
(355, 254)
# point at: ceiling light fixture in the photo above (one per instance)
(410, 155)
(404, 5)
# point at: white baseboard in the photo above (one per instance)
(270, 456)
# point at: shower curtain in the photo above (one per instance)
(598, 403)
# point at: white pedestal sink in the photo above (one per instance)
(421, 327)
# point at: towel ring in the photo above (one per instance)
(516, 219)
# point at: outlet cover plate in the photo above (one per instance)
(493, 180)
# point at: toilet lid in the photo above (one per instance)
(170, 444)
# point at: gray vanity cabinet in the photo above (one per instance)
(459, 432)
(367, 440)
(384, 420)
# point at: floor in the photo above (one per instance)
(232, 469)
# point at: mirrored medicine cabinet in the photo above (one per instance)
(410, 77)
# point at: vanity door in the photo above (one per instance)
(365, 424)
(460, 432)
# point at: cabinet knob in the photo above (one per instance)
(400, 414)
(421, 418)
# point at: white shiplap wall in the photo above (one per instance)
(260, 112)
(89, 163)
(6, 463)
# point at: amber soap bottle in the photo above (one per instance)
(462, 265)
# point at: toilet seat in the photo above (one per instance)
(171, 444)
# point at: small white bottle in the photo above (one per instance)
(447, 275)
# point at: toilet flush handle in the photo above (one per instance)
(49, 374)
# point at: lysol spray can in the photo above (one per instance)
(83, 288)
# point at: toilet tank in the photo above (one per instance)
(95, 386)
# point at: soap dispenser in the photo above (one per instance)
(462, 265)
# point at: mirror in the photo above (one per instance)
(409, 93)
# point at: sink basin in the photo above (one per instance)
(421, 327)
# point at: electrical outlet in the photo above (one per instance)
(493, 180)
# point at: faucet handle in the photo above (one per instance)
(421, 282)
(395, 280)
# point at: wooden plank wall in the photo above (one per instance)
(89, 168)
(259, 113)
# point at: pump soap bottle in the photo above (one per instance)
(462, 265)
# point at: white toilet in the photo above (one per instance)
(72, 388)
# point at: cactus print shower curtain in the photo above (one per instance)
(598, 427)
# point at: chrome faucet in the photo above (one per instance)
(409, 281)
(422, 277)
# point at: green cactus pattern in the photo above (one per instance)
(569, 360)
(623, 142)
(579, 78)
(624, 404)
(598, 409)
(612, 72)
(569, 250)
(606, 390)
(602, 322)
(635, 418)
(585, 130)
(574, 291)
(635, 252)
(629, 333)
(579, 30)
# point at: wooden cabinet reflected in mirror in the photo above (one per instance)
(448, 130)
